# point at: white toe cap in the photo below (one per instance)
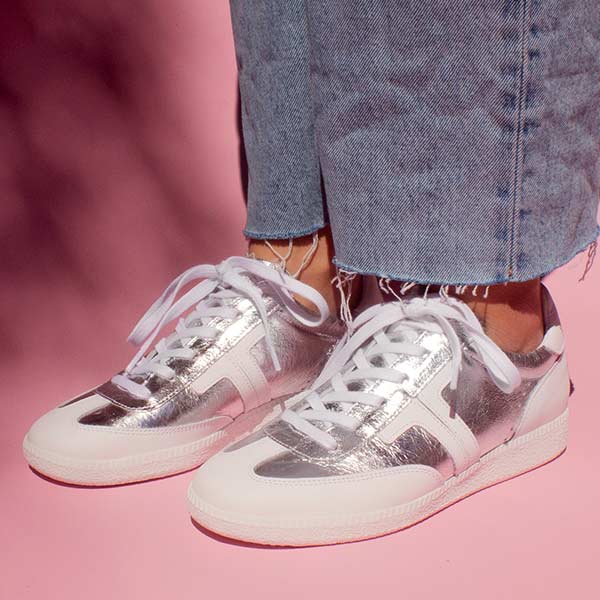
(229, 484)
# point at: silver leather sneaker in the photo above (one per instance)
(418, 409)
(244, 347)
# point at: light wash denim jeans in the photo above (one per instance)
(445, 141)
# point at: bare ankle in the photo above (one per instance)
(511, 314)
(309, 258)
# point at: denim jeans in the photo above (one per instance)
(444, 141)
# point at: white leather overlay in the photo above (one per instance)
(239, 366)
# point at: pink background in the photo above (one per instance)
(119, 167)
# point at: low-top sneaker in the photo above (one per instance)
(241, 347)
(416, 410)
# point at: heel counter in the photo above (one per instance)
(548, 400)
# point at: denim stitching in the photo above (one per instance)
(519, 144)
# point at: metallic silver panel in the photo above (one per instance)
(221, 398)
(414, 446)
(489, 413)
(302, 353)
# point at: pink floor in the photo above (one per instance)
(84, 264)
(533, 537)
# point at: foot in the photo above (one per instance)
(244, 347)
(511, 313)
(417, 410)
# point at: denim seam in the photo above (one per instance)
(519, 142)
(255, 235)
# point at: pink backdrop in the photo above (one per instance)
(119, 167)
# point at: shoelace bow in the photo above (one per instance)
(221, 282)
(381, 331)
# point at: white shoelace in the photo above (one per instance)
(222, 283)
(389, 331)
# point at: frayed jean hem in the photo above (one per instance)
(540, 272)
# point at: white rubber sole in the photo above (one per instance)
(509, 460)
(148, 465)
